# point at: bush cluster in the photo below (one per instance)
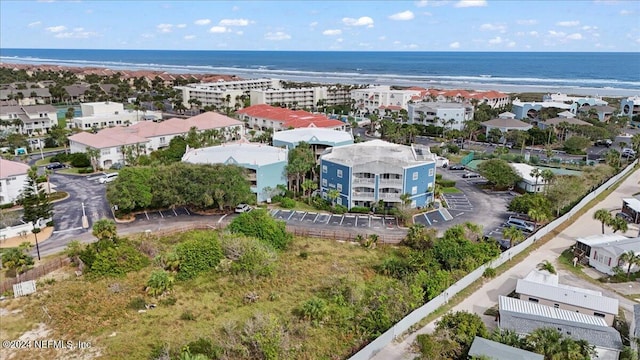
(79, 160)
(259, 224)
(112, 258)
(201, 252)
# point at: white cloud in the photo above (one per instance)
(454, 45)
(339, 40)
(78, 29)
(402, 16)
(165, 28)
(568, 23)
(56, 29)
(235, 8)
(493, 27)
(554, 33)
(626, 12)
(496, 40)
(412, 46)
(382, 38)
(239, 32)
(533, 33)
(511, 44)
(422, 3)
(470, 3)
(189, 37)
(426, 13)
(574, 36)
(314, 24)
(202, 22)
(81, 34)
(35, 23)
(276, 36)
(332, 32)
(218, 29)
(233, 22)
(396, 42)
(361, 21)
(181, 26)
(527, 22)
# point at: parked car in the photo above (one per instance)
(471, 175)
(243, 208)
(628, 153)
(107, 178)
(624, 216)
(605, 142)
(456, 167)
(55, 165)
(521, 224)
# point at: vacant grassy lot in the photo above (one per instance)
(212, 306)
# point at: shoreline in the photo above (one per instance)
(380, 80)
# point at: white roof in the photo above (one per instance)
(621, 246)
(238, 153)
(633, 204)
(544, 104)
(569, 296)
(601, 239)
(542, 277)
(531, 308)
(311, 135)
(524, 171)
(378, 151)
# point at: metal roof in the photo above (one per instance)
(376, 151)
(604, 239)
(497, 351)
(313, 135)
(237, 153)
(524, 317)
(570, 296)
(633, 204)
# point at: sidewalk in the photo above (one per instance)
(487, 295)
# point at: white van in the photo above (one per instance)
(520, 224)
(107, 178)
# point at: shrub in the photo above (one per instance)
(204, 347)
(287, 203)
(360, 210)
(438, 177)
(88, 170)
(187, 315)
(61, 158)
(249, 255)
(200, 253)
(314, 310)
(340, 209)
(320, 203)
(258, 223)
(137, 303)
(168, 301)
(117, 260)
(489, 273)
(159, 282)
(79, 160)
(446, 183)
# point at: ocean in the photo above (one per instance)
(607, 74)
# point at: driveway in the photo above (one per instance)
(487, 295)
(378, 223)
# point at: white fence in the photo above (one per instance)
(420, 313)
(19, 230)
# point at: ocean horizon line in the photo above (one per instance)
(341, 51)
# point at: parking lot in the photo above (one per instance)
(363, 221)
(161, 214)
(433, 218)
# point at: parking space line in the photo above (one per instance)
(356, 225)
(341, 220)
(147, 215)
(302, 218)
(316, 218)
(174, 212)
(187, 210)
(427, 218)
(290, 215)
(369, 220)
(162, 216)
(274, 212)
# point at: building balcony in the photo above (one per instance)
(391, 182)
(364, 181)
(359, 195)
(389, 196)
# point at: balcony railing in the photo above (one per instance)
(392, 182)
(359, 195)
(363, 180)
(390, 196)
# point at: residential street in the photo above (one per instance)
(487, 295)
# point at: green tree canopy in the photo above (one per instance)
(499, 172)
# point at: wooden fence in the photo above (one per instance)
(343, 235)
(34, 273)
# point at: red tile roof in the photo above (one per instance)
(290, 118)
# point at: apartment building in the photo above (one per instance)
(263, 117)
(98, 115)
(368, 172)
(452, 115)
(222, 94)
(28, 120)
(319, 139)
(377, 99)
(13, 177)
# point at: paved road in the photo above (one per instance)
(487, 295)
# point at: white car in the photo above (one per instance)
(243, 208)
(107, 178)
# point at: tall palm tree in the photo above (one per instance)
(537, 215)
(514, 235)
(630, 258)
(546, 266)
(535, 173)
(545, 341)
(618, 224)
(604, 216)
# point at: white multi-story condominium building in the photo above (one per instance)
(377, 99)
(99, 115)
(309, 97)
(28, 119)
(13, 177)
(531, 109)
(580, 100)
(266, 165)
(630, 106)
(116, 142)
(223, 93)
(369, 172)
(495, 99)
(263, 117)
(452, 115)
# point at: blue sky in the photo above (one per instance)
(467, 25)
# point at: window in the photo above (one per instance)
(106, 151)
(431, 171)
(414, 190)
(556, 305)
(162, 140)
(339, 172)
(339, 187)
(600, 315)
(415, 176)
(339, 201)
(324, 169)
(533, 300)
(324, 182)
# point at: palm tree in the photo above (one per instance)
(333, 195)
(630, 258)
(537, 215)
(604, 216)
(618, 224)
(546, 266)
(547, 176)
(308, 186)
(514, 235)
(545, 341)
(535, 173)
